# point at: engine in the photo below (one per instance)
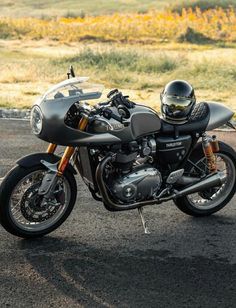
(134, 178)
(140, 184)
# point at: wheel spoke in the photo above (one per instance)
(26, 207)
(225, 165)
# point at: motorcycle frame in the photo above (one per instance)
(72, 153)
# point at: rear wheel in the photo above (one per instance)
(212, 200)
(25, 213)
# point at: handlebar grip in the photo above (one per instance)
(112, 93)
(119, 99)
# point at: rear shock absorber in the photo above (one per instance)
(215, 144)
(209, 153)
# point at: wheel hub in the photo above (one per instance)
(207, 194)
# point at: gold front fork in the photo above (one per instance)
(51, 148)
(69, 151)
(65, 160)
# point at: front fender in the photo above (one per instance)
(35, 159)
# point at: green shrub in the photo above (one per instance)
(124, 60)
(194, 37)
(70, 14)
(9, 31)
(6, 31)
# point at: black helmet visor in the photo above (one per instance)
(176, 102)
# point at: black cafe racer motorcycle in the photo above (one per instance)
(125, 153)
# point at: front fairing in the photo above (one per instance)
(55, 104)
(56, 131)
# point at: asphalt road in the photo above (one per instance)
(102, 259)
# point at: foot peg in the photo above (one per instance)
(144, 222)
(175, 176)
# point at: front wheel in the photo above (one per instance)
(26, 214)
(212, 200)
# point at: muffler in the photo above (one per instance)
(216, 179)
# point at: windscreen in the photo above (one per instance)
(77, 86)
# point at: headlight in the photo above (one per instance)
(36, 120)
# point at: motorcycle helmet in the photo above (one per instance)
(177, 101)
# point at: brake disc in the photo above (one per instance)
(35, 208)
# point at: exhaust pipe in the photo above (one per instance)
(187, 180)
(216, 179)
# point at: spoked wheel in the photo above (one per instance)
(25, 213)
(209, 201)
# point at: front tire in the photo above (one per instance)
(204, 206)
(33, 221)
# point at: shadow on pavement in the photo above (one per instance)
(134, 278)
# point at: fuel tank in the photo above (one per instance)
(143, 121)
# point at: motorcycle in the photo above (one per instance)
(126, 154)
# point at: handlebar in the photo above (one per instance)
(116, 98)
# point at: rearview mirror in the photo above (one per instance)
(71, 72)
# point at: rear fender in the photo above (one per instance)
(35, 159)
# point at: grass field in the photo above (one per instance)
(137, 53)
(29, 68)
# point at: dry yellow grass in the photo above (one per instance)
(213, 24)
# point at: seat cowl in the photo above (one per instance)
(219, 115)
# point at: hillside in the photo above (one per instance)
(46, 8)
(76, 8)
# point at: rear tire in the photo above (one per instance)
(9, 184)
(187, 206)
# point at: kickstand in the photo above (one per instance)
(144, 222)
